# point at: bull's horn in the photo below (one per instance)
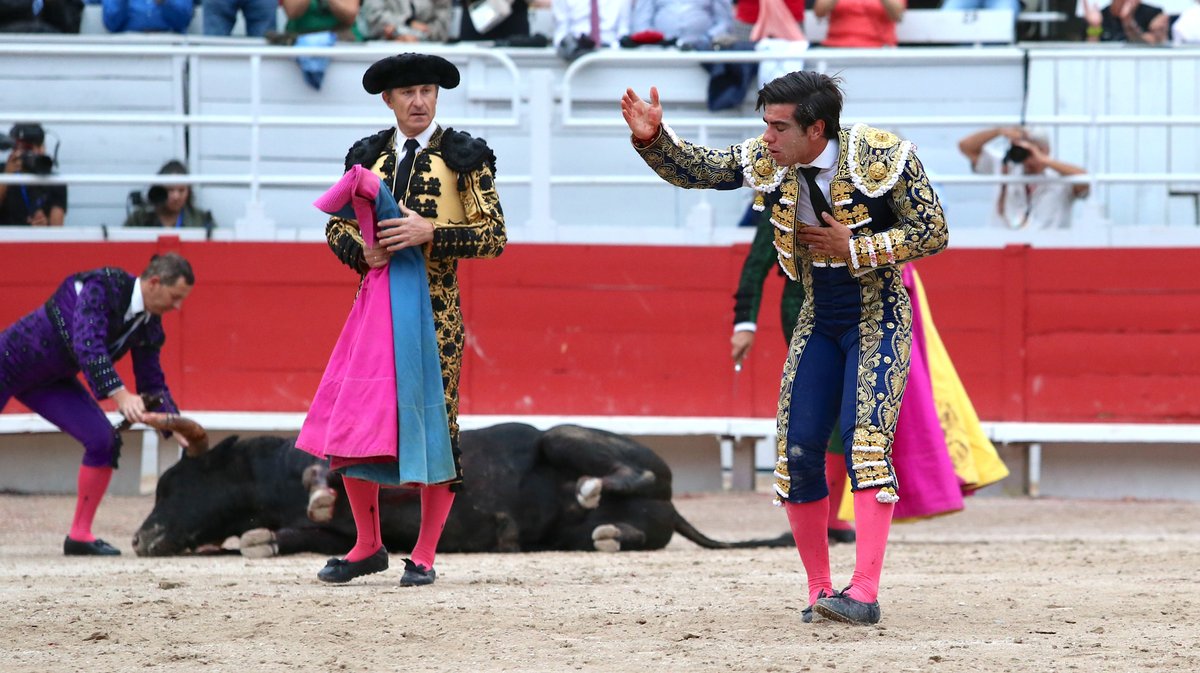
(193, 432)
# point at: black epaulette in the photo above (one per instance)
(464, 153)
(366, 151)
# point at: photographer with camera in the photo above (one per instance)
(170, 205)
(34, 204)
(1024, 151)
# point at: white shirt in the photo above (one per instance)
(574, 18)
(1028, 205)
(1187, 27)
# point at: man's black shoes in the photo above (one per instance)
(339, 571)
(841, 608)
(416, 575)
(96, 547)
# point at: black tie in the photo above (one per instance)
(404, 170)
(127, 331)
(815, 196)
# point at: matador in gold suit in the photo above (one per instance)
(848, 205)
(444, 183)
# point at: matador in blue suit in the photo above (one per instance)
(848, 205)
(92, 320)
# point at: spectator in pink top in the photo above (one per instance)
(745, 15)
(860, 23)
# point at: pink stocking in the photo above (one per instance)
(435, 507)
(364, 505)
(808, 521)
(874, 521)
(90, 485)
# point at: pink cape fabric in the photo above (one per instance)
(356, 400)
(928, 483)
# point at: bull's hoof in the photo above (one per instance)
(258, 543)
(606, 538)
(587, 492)
(320, 505)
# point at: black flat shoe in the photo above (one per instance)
(841, 608)
(96, 547)
(416, 575)
(338, 570)
(837, 535)
(807, 616)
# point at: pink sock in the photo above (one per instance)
(435, 508)
(364, 505)
(874, 520)
(835, 479)
(90, 486)
(812, 541)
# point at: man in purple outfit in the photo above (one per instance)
(90, 322)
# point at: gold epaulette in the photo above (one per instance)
(760, 170)
(876, 159)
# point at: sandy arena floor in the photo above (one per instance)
(1007, 585)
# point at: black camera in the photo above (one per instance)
(30, 134)
(1016, 155)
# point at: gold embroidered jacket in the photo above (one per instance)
(879, 190)
(453, 186)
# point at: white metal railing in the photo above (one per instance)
(532, 100)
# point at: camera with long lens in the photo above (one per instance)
(31, 134)
(1016, 155)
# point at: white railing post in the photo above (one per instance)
(541, 119)
(255, 224)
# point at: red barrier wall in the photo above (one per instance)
(1039, 335)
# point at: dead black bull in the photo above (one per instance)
(568, 488)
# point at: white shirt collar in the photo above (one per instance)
(422, 138)
(828, 157)
(137, 304)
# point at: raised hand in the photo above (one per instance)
(644, 118)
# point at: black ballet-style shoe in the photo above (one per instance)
(416, 575)
(807, 616)
(841, 608)
(339, 571)
(96, 547)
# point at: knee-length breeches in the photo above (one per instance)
(848, 358)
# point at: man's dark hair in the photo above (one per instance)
(170, 267)
(817, 96)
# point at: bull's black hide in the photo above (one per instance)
(524, 493)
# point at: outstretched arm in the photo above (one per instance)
(644, 118)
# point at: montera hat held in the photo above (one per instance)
(410, 69)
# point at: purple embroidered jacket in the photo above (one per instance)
(81, 332)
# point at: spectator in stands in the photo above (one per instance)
(90, 322)
(1186, 29)
(577, 31)
(406, 20)
(746, 14)
(1126, 21)
(496, 19)
(33, 205)
(40, 16)
(860, 23)
(690, 23)
(170, 205)
(1040, 205)
(258, 15)
(147, 16)
(318, 16)
(1013, 6)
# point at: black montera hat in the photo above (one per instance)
(28, 133)
(410, 70)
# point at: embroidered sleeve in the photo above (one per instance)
(91, 326)
(484, 235)
(147, 368)
(346, 242)
(692, 166)
(762, 256)
(920, 230)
